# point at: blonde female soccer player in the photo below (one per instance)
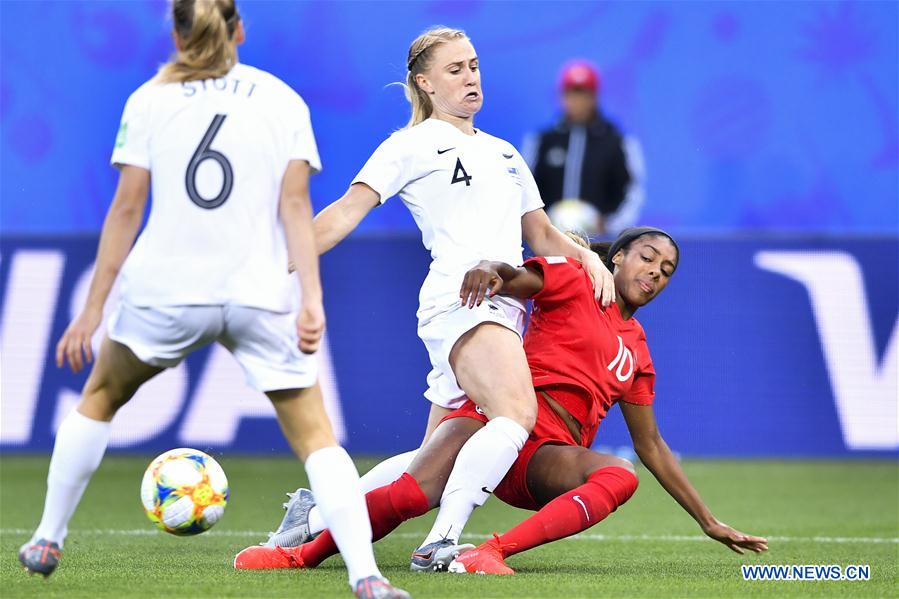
(229, 150)
(473, 198)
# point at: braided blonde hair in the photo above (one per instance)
(419, 61)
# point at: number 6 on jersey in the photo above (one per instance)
(204, 152)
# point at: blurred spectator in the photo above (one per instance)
(586, 161)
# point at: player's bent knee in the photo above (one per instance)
(630, 486)
(528, 420)
(626, 464)
(521, 411)
(521, 415)
(433, 490)
(618, 480)
(527, 413)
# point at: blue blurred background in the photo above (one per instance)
(771, 139)
(753, 115)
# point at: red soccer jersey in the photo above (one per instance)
(590, 356)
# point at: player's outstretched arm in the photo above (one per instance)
(120, 228)
(488, 278)
(657, 457)
(339, 219)
(546, 240)
(295, 209)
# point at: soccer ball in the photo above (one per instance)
(574, 215)
(184, 492)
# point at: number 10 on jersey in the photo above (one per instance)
(204, 152)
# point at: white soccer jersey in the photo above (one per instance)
(467, 194)
(217, 151)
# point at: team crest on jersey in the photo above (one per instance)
(513, 172)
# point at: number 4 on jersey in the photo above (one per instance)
(459, 175)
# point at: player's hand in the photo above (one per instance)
(734, 539)
(603, 281)
(480, 282)
(77, 339)
(310, 326)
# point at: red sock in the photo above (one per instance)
(388, 507)
(573, 512)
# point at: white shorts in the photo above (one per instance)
(440, 326)
(263, 342)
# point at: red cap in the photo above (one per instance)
(580, 74)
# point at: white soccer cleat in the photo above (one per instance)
(436, 556)
(294, 528)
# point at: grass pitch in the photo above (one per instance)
(813, 512)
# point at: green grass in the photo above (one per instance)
(649, 548)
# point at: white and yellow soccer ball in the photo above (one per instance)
(184, 492)
(574, 215)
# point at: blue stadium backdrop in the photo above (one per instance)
(776, 347)
(771, 136)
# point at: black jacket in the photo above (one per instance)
(582, 161)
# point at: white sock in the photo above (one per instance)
(382, 474)
(501, 439)
(335, 484)
(79, 448)
(387, 471)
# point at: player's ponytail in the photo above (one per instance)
(418, 61)
(205, 29)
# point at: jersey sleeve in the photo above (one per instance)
(132, 144)
(530, 195)
(302, 145)
(642, 391)
(388, 170)
(563, 278)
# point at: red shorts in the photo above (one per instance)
(549, 429)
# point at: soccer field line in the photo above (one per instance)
(145, 532)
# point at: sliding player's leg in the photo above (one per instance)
(413, 494)
(576, 487)
(303, 520)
